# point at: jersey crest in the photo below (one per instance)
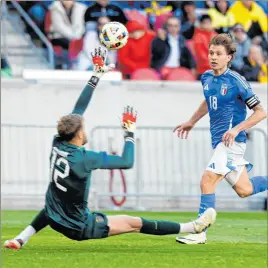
(223, 89)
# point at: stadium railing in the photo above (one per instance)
(39, 33)
(166, 174)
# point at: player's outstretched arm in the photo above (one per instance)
(258, 115)
(184, 129)
(126, 160)
(252, 102)
(99, 57)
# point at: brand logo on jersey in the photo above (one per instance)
(206, 87)
(212, 166)
(223, 89)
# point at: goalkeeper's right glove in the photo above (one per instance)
(129, 121)
(99, 58)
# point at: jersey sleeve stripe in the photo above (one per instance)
(252, 102)
(94, 80)
(239, 79)
(130, 139)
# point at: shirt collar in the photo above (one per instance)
(227, 70)
(170, 37)
(70, 145)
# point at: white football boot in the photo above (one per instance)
(192, 239)
(202, 223)
(13, 244)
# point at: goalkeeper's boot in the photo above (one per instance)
(13, 244)
(192, 239)
(200, 225)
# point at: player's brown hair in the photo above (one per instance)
(226, 41)
(69, 125)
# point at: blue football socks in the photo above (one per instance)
(207, 201)
(259, 184)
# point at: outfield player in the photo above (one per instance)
(227, 94)
(71, 165)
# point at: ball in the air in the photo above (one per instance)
(114, 35)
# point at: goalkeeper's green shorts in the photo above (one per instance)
(96, 227)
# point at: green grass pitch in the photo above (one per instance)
(237, 240)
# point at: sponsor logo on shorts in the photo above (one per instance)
(212, 166)
(99, 219)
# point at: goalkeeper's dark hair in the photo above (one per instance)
(227, 41)
(69, 125)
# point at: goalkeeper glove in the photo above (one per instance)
(99, 58)
(129, 121)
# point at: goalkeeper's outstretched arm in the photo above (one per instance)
(85, 96)
(99, 58)
(103, 160)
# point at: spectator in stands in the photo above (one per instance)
(201, 39)
(37, 12)
(169, 49)
(222, 18)
(251, 16)
(263, 42)
(91, 41)
(157, 14)
(176, 7)
(188, 19)
(136, 54)
(103, 8)
(66, 22)
(255, 67)
(243, 44)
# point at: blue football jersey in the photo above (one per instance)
(227, 96)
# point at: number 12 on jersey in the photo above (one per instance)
(59, 168)
(213, 102)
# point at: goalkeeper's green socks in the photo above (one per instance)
(166, 227)
(159, 227)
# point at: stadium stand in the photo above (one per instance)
(18, 47)
(145, 74)
(181, 74)
(33, 53)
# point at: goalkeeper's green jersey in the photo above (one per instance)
(70, 172)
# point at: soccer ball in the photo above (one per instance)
(114, 35)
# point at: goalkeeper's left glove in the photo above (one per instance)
(129, 121)
(99, 58)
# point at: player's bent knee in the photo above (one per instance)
(243, 190)
(124, 224)
(244, 193)
(135, 223)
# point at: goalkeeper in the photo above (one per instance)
(71, 165)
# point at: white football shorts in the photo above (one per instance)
(229, 161)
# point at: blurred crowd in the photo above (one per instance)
(167, 39)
